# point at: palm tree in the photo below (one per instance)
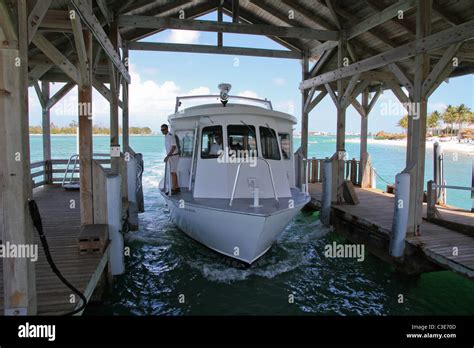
(433, 120)
(403, 123)
(463, 115)
(450, 116)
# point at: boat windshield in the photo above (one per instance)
(190, 101)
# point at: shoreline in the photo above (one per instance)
(451, 145)
(94, 135)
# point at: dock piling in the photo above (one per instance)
(400, 215)
(327, 192)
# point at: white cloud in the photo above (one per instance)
(199, 91)
(287, 106)
(279, 81)
(150, 103)
(441, 107)
(248, 94)
(183, 36)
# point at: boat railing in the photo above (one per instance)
(267, 103)
(237, 174)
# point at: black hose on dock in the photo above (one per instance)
(36, 217)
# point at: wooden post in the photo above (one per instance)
(364, 125)
(304, 113)
(431, 200)
(341, 127)
(125, 109)
(16, 227)
(46, 122)
(85, 142)
(219, 35)
(419, 108)
(114, 124)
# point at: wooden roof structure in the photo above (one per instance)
(371, 27)
(356, 48)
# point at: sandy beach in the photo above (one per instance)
(450, 145)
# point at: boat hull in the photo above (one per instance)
(239, 235)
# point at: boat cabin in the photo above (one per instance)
(222, 145)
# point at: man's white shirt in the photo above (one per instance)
(170, 141)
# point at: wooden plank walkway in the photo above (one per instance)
(61, 227)
(436, 242)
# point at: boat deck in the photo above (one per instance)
(241, 205)
(436, 242)
(61, 227)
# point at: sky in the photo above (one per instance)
(159, 77)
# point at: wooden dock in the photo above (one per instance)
(62, 228)
(371, 220)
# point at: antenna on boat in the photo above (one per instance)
(225, 89)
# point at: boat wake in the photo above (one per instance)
(291, 251)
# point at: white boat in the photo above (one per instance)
(239, 199)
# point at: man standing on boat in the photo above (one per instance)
(172, 157)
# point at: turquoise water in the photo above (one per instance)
(166, 264)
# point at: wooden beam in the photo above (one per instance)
(95, 27)
(372, 103)
(398, 92)
(359, 108)
(437, 72)
(331, 93)
(250, 18)
(402, 23)
(316, 101)
(56, 20)
(56, 56)
(235, 11)
(105, 92)
(220, 40)
(105, 10)
(235, 51)
(444, 38)
(401, 76)
(36, 16)
(39, 93)
(320, 49)
(7, 25)
(332, 11)
(444, 13)
(321, 62)
(38, 71)
(60, 94)
(379, 18)
(224, 27)
(84, 67)
(309, 15)
(345, 99)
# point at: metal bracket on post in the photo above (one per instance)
(15, 312)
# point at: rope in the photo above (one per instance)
(382, 178)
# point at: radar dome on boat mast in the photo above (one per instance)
(225, 89)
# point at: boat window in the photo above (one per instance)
(242, 138)
(186, 142)
(211, 142)
(269, 144)
(285, 145)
